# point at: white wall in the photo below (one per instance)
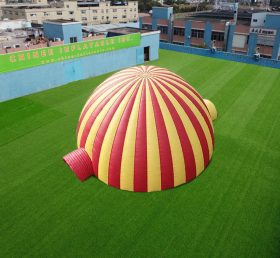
(14, 24)
(239, 41)
(258, 19)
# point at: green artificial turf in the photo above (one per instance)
(231, 210)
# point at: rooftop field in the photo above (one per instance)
(231, 210)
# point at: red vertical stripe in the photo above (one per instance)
(140, 158)
(166, 163)
(105, 87)
(117, 148)
(181, 81)
(195, 123)
(197, 105)
(94, 115)
(188, 154)
(98, 141)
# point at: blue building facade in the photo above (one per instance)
(227, 37)
(67, 31)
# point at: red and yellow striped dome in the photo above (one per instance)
(144, 129)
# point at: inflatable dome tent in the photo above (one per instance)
(143, 129)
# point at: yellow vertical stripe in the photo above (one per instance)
(107, 82)
(105, 153)
(182, 86)
(197, 114)
(94, 128)
(92, 108)
(110, 83)
(193, 137)
(175, 144)
(127, 163)
(154, 171)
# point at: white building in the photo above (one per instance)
(87, 12)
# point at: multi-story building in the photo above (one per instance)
(224, 35)
(87, 12)
(2, 3)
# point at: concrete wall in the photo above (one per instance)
(162, 12)
(63, 31)
(221, 55)
(207, 34)
(75, 30)
(52, 31)
(272, 21)
(27, 81)
(258, 19)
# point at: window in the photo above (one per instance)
(124, 16)
(46, 14)
(197, 33)
(163, 29)
(83, 11)
(219, 36)
(73, 39)
(71, 12)
(134, 9)
(59, 13)
(178, 43)
(16, 13)
(84, 18)
(102, 17)
(255, 20)
(115, 10)
(102, 11)
(94, 11)
(179, 31)
(146, 26)
(67, 6)
(33, 14)
(94, 18)
(115, 17)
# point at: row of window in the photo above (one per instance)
(60, 12)
(219, 36)
(107, 17)
(72, 12)
(10, 12)
(181, 32)
(107, 10)
(47, 14)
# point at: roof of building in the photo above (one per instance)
(61, 21)
(128, 30)
(98, 28)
